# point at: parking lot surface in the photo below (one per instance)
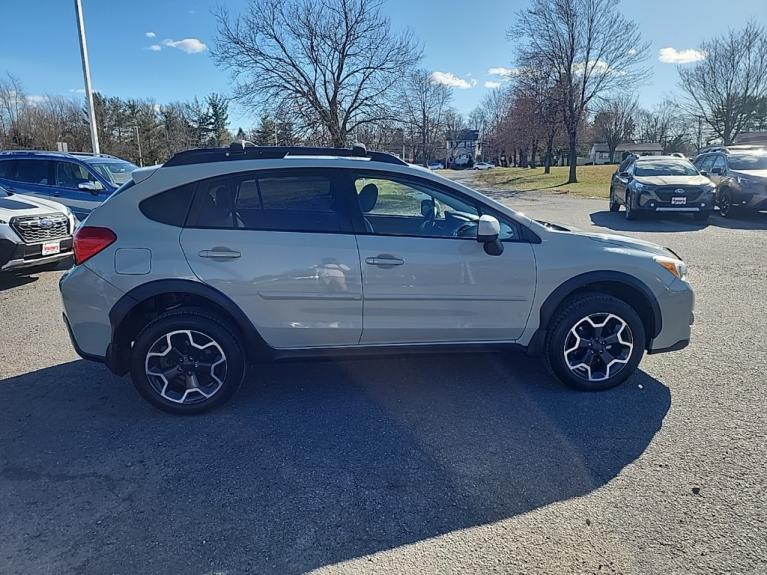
(450, 464)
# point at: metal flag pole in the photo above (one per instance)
(87, 78)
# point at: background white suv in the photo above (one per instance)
(33, 232)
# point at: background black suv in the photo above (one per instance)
(740, 175)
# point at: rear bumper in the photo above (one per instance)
(87, 299)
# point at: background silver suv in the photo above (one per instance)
(221, 257)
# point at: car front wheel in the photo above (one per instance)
(614, 205)
(726, 208)
(596, 342)
(631, 213)
(187, 361)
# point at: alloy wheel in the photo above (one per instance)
(598, 346)
(186, 366)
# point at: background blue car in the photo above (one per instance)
(79, 181)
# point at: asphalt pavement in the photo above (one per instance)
(435, 464)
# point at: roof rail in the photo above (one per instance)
(57, 152)
(246, 151)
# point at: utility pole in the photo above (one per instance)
(87, 77)
(138, 143)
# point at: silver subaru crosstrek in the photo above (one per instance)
(224, 257)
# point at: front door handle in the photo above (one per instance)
(220, 254)
(384, 260)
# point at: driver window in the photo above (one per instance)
(409, 208)
(70, 175)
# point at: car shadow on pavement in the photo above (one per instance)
(9, 280)
(314, 464)
(677, 222)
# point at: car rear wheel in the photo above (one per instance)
(614, 205)
(187, 361)
(596, 342)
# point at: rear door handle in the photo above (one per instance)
(220, 254)
(384, 260)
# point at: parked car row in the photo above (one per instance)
(734, 179)
(42, 197)
(79, 181)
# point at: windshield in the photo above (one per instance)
(665, 168)
(748, 161)
(115, 172)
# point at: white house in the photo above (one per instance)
(600, 153)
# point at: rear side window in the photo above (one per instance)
(32, 172)
(7, 169)
(294, 202)
(169, 207)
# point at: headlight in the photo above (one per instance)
(676, 267)
(639, 187)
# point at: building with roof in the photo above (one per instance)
(600, 152)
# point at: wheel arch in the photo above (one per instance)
(141, 304)
(617, 284)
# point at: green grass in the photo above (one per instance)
(593, 181)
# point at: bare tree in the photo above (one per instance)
(725, 88)
(424, 104)
(667, 125)
(334, 63)
(588, 46)
(614, 122)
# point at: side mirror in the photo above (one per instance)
(716, 171)
(704, 173)
(92, 187)
(488, 230)
(625, 175)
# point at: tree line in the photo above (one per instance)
(329, 72)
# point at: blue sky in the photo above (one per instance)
(39, 43)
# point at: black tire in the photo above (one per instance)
(631, 213)
(726, 209)
(614, 205)
(203, 324)
(701, 216)
(572, 313)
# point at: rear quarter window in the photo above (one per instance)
(169, 207)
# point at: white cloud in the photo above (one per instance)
(77, 90)
(150, 34)
(492, 84)
(632, 51)
(154, 48)
(188, 45)
(503, 71)
(674, 56)
(451, 80)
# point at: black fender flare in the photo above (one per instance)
(128, 302)
(575, 283)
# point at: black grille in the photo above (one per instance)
(34, 229)
(665, 194)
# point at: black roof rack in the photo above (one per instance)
(247, 151)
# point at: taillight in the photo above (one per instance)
(90, 240)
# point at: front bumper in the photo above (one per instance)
(15, 256)
(677, 316)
